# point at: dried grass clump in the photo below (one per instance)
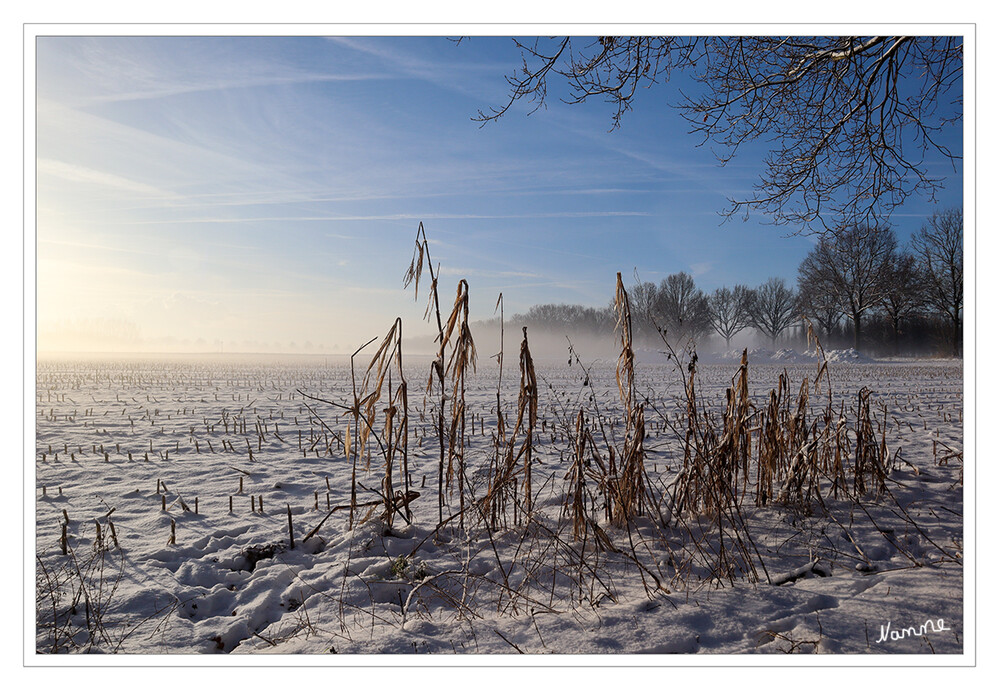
(379, 413)
(576, 494)
(798, 458)
(714, 479)
(501, 495)
(379, 397)
(608, 477)
(421, 256)
(456, 332)
(462, 357)
(626, 480)
(872, 461)
(787, 468)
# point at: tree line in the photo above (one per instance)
(857, 287)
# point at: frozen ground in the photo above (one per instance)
(140, 460)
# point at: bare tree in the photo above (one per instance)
(850, 119)
(939, 248)
(853, 265)
(824, 308)
(567, 318)
(729, 311)
(903, 295)
(642, 298)
(683, 308)
(773, 307)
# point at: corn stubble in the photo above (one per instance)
(671, 529)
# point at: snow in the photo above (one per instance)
(230, 584)
(761, 355)
(848, 356)
(756, 355)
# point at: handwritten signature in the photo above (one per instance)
(929, 626)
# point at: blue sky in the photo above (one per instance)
(264, 193)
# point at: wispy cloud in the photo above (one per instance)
(701, 268)
(393, 216)
(98, 144)
(485, 273)
(95, 71)
(101, 247)
(579, 287)
(367, 290)
(452, 75)
(181, 88)
(85, 175)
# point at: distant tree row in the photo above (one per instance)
(861, 274)
(857, 286)
(681, 312)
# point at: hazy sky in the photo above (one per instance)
(263, 194)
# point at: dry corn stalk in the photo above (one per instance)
(626, 482)
(871, 459)
(504, 480)
(394, 442)
(462, 357)
(575, 497)
(421, 255)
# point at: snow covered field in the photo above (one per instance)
(176, 480)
